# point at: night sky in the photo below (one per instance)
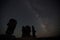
(43, 14)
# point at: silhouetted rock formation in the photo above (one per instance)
(11, 26)
(26, 31)
(23, 31)
(33, 31)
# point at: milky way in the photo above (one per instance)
(43, 14)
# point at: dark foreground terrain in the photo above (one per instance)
(6, 37)
(49, 38)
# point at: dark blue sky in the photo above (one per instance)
(43, 14)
